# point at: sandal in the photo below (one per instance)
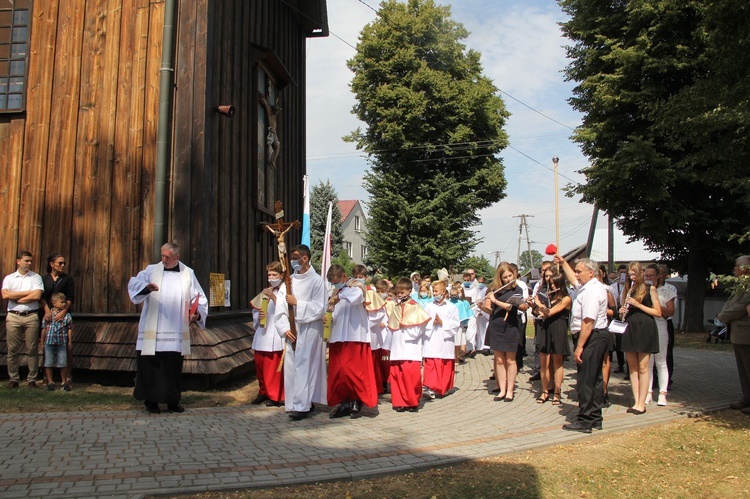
(556, 400)
(542, 398)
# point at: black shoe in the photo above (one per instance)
(297, 416)
(152, 407)
(738, 406)
(13, 384)
(492, 378)
(273, 403)
(341, 411)
(356, 407)
(399, 409)
(535, 377)
(597, 426)
(262, 397)
(632, 410)
(412, 409)
(66, 387)
(312, 407)
(576, 426)
(51, 387)
(606, 401)
(175, 408)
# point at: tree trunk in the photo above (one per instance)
(696, 287)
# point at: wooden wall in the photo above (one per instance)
(78, 165)
(214, 178)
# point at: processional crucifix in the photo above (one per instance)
(279, 230)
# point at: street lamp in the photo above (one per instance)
(555, 161)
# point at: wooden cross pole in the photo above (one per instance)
(279, 230)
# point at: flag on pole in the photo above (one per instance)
(325, 262)
(306, 211)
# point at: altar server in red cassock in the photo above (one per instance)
(268, 344)
(407, 322)
(351, 378)
(439, 346)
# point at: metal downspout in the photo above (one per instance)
(164, 127)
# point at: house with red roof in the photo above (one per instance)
(354, 227)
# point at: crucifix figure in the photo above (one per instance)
(279, 230)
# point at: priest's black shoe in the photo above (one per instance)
(356, 407)
(272, 403)
(152, 407)
(259, 399)
(576, 426)
(341, 411)
(297, 416)
(175, 408)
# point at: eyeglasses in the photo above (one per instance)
(59, 263)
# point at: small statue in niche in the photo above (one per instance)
(272, 139)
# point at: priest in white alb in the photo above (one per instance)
(172, 299)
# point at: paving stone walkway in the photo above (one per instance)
(133, 453)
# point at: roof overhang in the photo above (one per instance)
(312, 15)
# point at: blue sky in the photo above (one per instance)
(523, 53)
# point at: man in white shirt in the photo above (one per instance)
(23, 289)
(589, 319)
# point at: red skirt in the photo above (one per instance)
(350, 373)
(385, 365)
(376, 355)
(438, 375)
(406, 383)
(270, 380)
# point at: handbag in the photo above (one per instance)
(617, 327)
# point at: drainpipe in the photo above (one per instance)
(164, 127)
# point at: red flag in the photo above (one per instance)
(194, 307)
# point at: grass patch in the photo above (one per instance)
(96, 397)
(697, 341)
(706, 457)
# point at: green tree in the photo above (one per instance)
(320, 195)
(481, 265)
(663, 88)
(530, 261)
(433, 128)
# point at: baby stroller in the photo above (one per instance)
(718, 334)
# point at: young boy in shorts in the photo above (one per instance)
(57, 339)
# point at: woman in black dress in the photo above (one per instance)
(641, 338)
(504, 300)
(554, 337)
(57, 281)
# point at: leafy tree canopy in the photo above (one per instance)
(433, 128)
(530, 261)
(662, 85)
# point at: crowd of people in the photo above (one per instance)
(346, 340)
(408, 336)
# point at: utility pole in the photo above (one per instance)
(497, 256)
(523, 224)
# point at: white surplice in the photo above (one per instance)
(439, 338)
(267, 339)
(173, 300)
(305, 377)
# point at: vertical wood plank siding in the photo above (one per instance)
(78, 165)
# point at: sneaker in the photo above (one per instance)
(67, 387)
(32, 384)
(427, 392)
(649, 398)
(51, 387)
(662, 399)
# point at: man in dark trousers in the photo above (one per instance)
(589, 319)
